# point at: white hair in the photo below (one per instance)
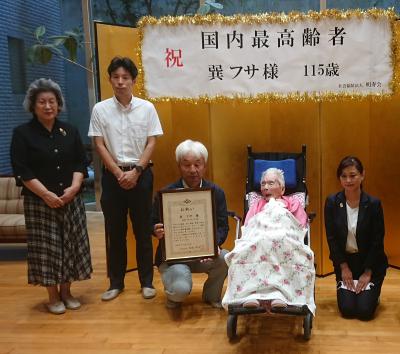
(42, 85)
(279, 174)
(189, 146)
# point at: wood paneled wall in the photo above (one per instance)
(367, 129)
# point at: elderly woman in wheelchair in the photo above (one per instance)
(270, 264)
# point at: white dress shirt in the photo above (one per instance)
(352, 216)
(125, 129)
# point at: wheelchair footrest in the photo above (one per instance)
(289, 310)
(240, 310)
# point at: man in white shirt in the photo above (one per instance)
(125, 129)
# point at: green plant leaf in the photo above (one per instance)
(39, 32)
(44, 55)
(58, 40)
(214, 4)
(204, 9)
(54, 49)
(30, 55)
(39, 54)
(217, 5)
(71, 45)
(76, 33)
(45, 47)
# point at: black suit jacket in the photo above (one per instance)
(221, 211)
(369, 233)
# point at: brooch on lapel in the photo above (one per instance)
(341, 205)
(63, 132)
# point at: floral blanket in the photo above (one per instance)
(270, 261)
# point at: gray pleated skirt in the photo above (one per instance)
(58, 242)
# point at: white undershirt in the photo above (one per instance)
(352, 216)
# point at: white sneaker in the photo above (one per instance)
(56, 308)
(148, 293)
(71, 303)
(111, 294)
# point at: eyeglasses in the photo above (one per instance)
(268, 183)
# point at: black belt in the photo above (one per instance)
(352, 253)
(127, 167)
(132, 167)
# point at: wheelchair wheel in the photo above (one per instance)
(231, 325)
(307, 325)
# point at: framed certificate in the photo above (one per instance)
(188, 216)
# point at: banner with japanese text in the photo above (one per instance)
(320, 55)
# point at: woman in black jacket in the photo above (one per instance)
(355, 230)
(49, 163)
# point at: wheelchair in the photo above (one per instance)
(294, 167)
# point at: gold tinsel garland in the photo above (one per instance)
(276, 18)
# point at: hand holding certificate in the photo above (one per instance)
(189, 224)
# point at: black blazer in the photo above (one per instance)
(369, 233)
(221, 211)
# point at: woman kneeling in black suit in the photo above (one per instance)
(355, 230)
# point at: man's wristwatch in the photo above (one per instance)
(139, 169)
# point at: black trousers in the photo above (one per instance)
(116, 203)
(362, 305)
